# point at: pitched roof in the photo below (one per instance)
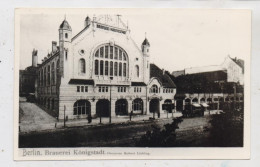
(239, 62)
(65, 25)
(164, 78)
(146, 42)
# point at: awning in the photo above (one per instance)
(138, 84)
(82, 81)
(195, 105)
(204, 104)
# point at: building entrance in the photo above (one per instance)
(102, 108)
(154, 106)
(121, 107)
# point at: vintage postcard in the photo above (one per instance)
(132, 84)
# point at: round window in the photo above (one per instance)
(82, 51)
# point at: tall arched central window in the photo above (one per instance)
(110, 61)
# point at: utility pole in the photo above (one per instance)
(64, 116)
(111, 78)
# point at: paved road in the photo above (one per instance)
(32, 117)
(114, 135)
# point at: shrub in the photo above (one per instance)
(227, 129)
(158, 137)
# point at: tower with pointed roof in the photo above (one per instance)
(65, 35)
(146, 56)
(87, 21)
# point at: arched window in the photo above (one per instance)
(195, 100)
(52, 73)
(154, 89)
(66, 35)
(96, 67)
(57, 68)
(81, 107)
(137, 71)
(138, 105)
(117, 65)
(187, 101)
(82, 66)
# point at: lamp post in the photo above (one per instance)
(111, 78)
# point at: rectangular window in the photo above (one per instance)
(118, 89)
(107, 89)
(82, 88)
(96, 67)
(111, 68)
(103, 89)
(140, 89)
(99, 88)
(101, 67)
(86, 89)
(115, 68)
(134, 89)
(124, 89)
(78, 88)
(124, 70)
(106, 68)
(120, 69)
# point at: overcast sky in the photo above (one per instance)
(179, 38)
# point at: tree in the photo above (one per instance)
(227, 129)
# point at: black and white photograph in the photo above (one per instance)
(132, 83)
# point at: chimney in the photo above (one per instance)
(163, 71)
(34, 58)
(54, 46)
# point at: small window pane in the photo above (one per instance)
(101, 67)
(116, 53)
(86, 89)
(120, 69)
(78, 88)
(124, 70)
(106, 68)
(111, 52)
(82, 88)
(96, 67)
(111, 68)
(120, 54)
(115, 68)
(96, 54)
(106, 51)
(101, 52)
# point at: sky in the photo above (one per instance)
(179, 38)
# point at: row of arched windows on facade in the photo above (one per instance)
(83, 107)
(48, 74)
